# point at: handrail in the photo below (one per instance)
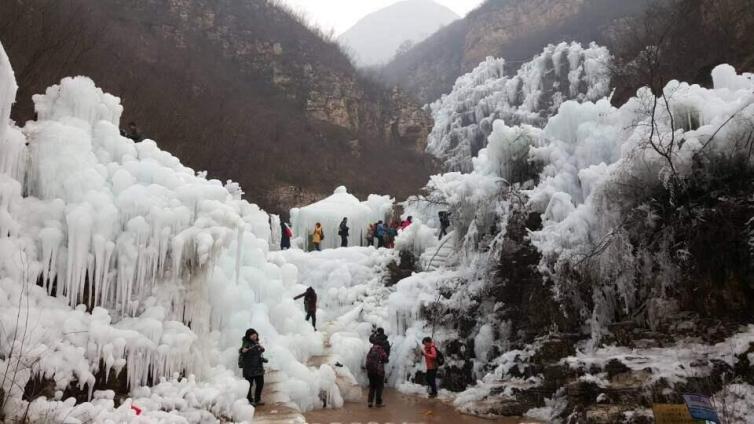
(447, 237)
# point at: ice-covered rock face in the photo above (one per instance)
(593, 163)
(463, 118)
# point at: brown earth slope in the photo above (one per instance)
(239, 88)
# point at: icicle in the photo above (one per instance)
(239, 254)
(79, 220)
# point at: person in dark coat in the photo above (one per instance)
(343, 232)
(310, 305)
(380, 338)
(251, 361)
(444, 223)
(285, 236)
(376, 359)
(379, 233)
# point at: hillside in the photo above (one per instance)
(376, 38)
(513, 29)
(245, 87)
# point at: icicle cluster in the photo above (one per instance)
(463, 118)
(115, 257)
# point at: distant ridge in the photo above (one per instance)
(374, 39)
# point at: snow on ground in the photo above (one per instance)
(735, 402)
(673, 364)
(351, 296)
(353, 300)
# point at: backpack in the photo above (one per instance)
(288, 232)
(374, 360)
(440, 357)
(241, 355)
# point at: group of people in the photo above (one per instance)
(251, 360)
(385, 233)
(379, 355)
(317, 235)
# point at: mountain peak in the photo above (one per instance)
(376, 38)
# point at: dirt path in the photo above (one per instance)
(401, 409)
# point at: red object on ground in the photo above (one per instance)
(136, 409)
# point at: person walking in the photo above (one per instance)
(250, 360)
(444, 223)
(285, 236)
(310, 305)
(343, 232)
(429, 351)
(405, 224)
(375, 364)
(390, 233)
(370, 235)
(317, 236)
(379, 232)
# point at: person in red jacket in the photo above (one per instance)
(429, 351)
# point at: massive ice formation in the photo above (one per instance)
(463, 118)
(114, 256)
(574, 162)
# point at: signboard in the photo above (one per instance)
(672, 414)
(700, 408)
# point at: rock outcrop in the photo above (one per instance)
(254, 91)
(510, 29)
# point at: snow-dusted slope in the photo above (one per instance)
(114, 254)
(375, 38)
(463, 118)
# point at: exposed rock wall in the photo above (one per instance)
(510, 29)
(252, 94)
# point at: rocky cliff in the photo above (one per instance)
(260, 98)
(513, 29)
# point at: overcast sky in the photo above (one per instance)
(341, 14)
